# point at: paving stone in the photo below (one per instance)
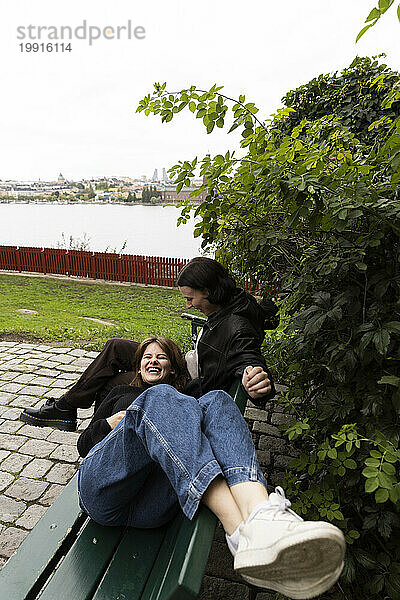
(256, 414)
(273, 444)
(61, 383)
(264, 457)
(10, 441)
(37, 468)
(6, 397)
(70, 377)
(63, 437)
(10, 539)
(13, 388)
(46, 381)
(8, 344)
(40, 433)
(48, 373)
(81, 362)
(10, 509)
(85, 412)
(23, 401)
(5, 480)
(31, 516)
(38, 448)
(83, 424)
(219, 589)
(4, 454)
(67, 368)
(92, 354)
(23, 368)
(11, 413)
(24, 378)
(61, 473)
(15, 462)
(9, 375)
(42, 348)
(34, 390)
(78, 352)
(49, 364)
(27, 489)
(262, 427)
(10, 426)
(51, 494)
(65, 453)
(54, 393)
(281, 419)
(33, 361)
(61, 350)
(62, 358)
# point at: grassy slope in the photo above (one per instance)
(135, 311)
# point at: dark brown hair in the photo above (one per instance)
(178, 378)
(203, 273)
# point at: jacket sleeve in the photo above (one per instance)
(99, 427)
(244, 350)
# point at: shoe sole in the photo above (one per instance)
(58, 423)
(312, 554)
(299, 590)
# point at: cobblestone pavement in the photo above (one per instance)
(36, 463)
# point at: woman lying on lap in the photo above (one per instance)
(151, 449)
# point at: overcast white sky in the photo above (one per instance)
(75, 112)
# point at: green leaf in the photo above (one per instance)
(381, 341)
(370, 472)
(363, 30)
(350, 463)
(398, 12)
(381, 496)
(389, 468)
(332, 453)
(374, 14)
(192, 106)
(385, 481)
(371, 485)
(391, 380)
(393, 326)
(372, 462)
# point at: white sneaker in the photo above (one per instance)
(280, 551)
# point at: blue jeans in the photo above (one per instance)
(164, 453)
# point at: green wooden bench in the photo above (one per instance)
(67, 555)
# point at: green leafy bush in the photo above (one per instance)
(315, 205)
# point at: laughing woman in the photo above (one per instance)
(151, 450)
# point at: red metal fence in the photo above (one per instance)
(150, 270)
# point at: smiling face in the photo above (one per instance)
(198, 299)
(155, 366)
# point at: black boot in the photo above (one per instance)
(50, 415)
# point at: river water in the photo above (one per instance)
(147, 230)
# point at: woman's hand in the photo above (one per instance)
(256, 382)
(115, 419)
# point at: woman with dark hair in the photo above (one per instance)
(150, 449)
(228, 348)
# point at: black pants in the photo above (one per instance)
(113, 366)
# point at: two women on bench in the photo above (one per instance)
(151, 448)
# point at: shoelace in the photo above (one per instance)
(282, 507)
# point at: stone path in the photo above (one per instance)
(36, 463)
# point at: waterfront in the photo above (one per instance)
(148, 230)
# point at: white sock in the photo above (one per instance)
(233, 540)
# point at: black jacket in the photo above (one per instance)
(230, 342)
(118, 399)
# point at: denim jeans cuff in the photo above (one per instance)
(198, 486)
(242, 474)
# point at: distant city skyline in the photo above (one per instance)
(74, 111)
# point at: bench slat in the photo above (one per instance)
(129, 569)
(28, 568)
(80, 571)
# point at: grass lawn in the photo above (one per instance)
(64, 308)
